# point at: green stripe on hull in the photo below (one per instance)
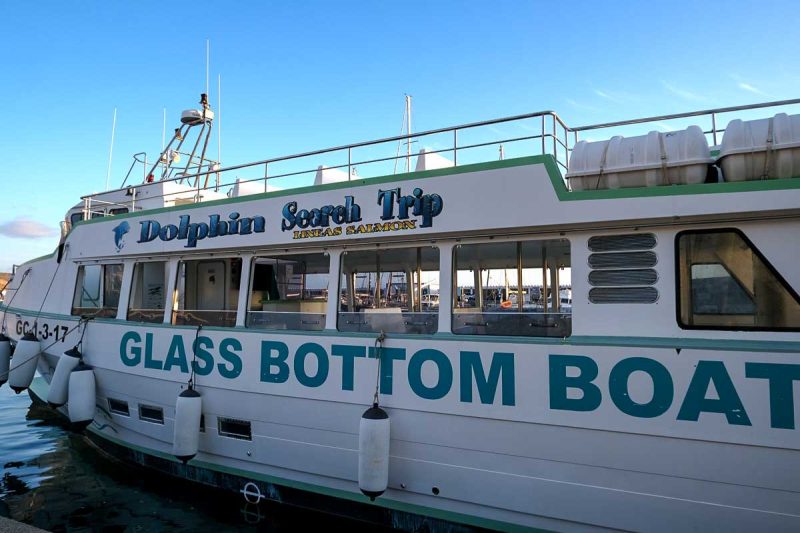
(670, 343)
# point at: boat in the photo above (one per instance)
(589, 332)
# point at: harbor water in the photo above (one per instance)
(57, 480)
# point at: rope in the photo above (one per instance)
(36, 320)
(194, 357)
(17, 364)
(378, 346)
(16, 291)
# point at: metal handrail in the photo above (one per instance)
(551, 140)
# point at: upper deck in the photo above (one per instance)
(540, 133)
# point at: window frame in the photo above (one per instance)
(285, 256)
(755, 250)
(79, 279)
(167, 303)
(383, 247)
(520, 241)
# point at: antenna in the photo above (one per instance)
(111, 149)
(219, 119)
(208, 55)
(408, 125)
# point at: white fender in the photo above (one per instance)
(81, 405)
(5, 357)
(59, 385)
(23, 364)
(373, 452)
(188, 410)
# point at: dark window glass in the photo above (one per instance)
(725, 283)
(97, 290)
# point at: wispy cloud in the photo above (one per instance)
(751, 89)
(663, 126)
(683, 93)
(613, 97)
(26, 228)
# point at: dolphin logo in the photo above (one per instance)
(119, 233)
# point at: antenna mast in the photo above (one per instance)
(111, 149)
(408, 130)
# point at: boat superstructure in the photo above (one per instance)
(565, 333)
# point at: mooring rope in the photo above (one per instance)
(378, 347)
(83, 320)
(16, 291)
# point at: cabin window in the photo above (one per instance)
(513, 288)
(725, 283)
(74, 218)
(289, 292)
(207, 292)
(97, 290)
(148, 292)
(393, 290)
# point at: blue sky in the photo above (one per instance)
(298, 76)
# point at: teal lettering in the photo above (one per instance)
(388, 357)
(348, 354)
(274, 355)
(781, 379)
(130, 355)
(445, 378)
(728, 403)
(560, 382)
(149, 361)
(227, 350)
(472, 370)
(300, 364)
(663, 388)
(201, 354)
(176, 355)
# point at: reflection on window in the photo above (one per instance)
(724, 283)
(148, 292)
(289, 292)
(208, 292)
(513, 288)
(393, 290)
(97, 290)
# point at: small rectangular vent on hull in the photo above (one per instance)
(237, 429)
(622, 269)
(149, 413)
(119, 407)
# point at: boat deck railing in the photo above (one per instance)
(543, 132)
